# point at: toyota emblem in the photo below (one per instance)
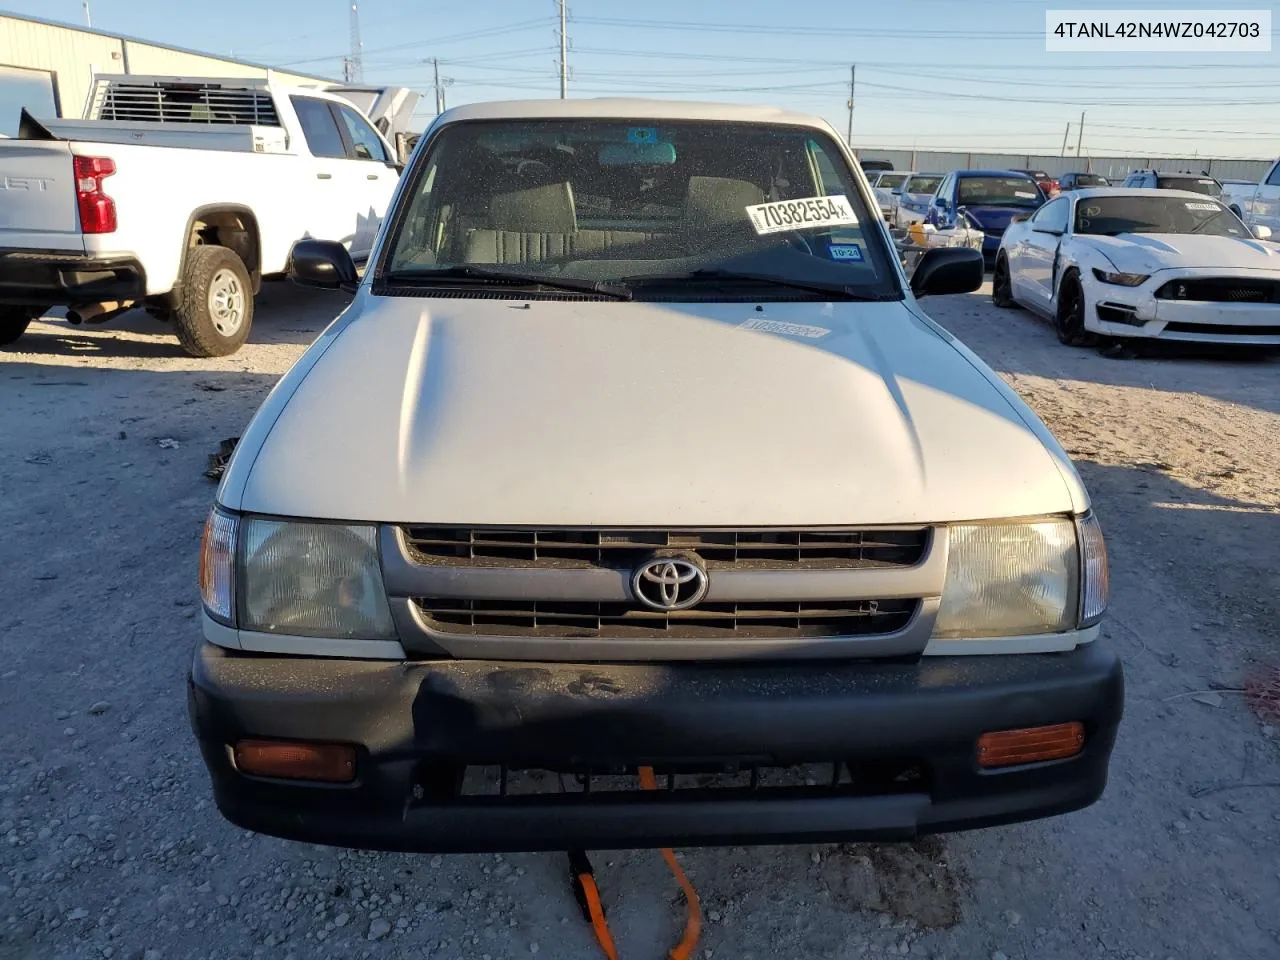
(670, 583)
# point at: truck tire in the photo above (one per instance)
(13, 323)
(214, 309)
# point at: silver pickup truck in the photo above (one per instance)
(636, 461)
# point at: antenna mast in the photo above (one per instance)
(353, 65)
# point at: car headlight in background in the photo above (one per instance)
(1121, 279)
(1023, 578)
(295, 577)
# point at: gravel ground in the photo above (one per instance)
(110, 846)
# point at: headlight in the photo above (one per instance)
(312, 579)
(1122, 279)
(292, 577)
(1010, 579)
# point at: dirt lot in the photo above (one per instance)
(110, 847)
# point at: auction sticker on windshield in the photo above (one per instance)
(1193, 205)
(783, 215)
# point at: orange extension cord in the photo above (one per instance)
(693, 923)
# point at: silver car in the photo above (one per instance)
(911, 200)
(884, 185)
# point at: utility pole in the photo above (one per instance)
(88, 21)
(853, 74)
(564, 49)
(1065, 133)
(1080, 134)
(355, 69)
(435, 65)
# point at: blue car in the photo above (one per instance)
(989, 199)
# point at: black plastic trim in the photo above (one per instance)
(407, 715)
(58, 278)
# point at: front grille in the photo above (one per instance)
(772, 619)
(1224, 329)
(1221, 290)
(707, 779)
(762, 549)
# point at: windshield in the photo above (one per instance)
(1090, 180)
(999, 192)
(1156, 214)
(641, 208)
(891, 180)
(1206, 185)
(920, 185)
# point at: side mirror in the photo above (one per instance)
(940, 203)
(324, 264)
(896, 191)
(1019, 218)
(944, 270)
(1262, 232)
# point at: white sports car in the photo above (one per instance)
(1165, 264)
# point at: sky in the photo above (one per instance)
(930, 74)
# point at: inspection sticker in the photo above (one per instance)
(1024, 194)
(1196, 205)
(789, 329)
(784, 215)
(846, 251)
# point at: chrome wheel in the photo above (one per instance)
(226, 302)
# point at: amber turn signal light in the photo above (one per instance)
(323, 762)
(1008, 747)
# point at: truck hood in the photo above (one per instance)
(554, 413)
(1149, 252)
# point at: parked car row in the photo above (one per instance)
(1171, 255)
(989, 200)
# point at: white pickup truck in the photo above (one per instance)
(180, 196)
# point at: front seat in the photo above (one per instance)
(526, 226)
(712, 201)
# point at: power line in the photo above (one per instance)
(825, 31)
(1018, 67)
(1066, 99)
(778, 29)
(472, 35)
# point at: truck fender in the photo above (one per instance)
(248, 248)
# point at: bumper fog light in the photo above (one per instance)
(324, 762)
(1008, 747)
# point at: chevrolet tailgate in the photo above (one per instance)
(38, 197)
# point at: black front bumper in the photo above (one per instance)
(48, 278)
(410, 720)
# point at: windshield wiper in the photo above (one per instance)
(721, 275)
(463, 271)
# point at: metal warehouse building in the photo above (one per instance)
(48, 67)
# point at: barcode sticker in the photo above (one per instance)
(785, 215)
